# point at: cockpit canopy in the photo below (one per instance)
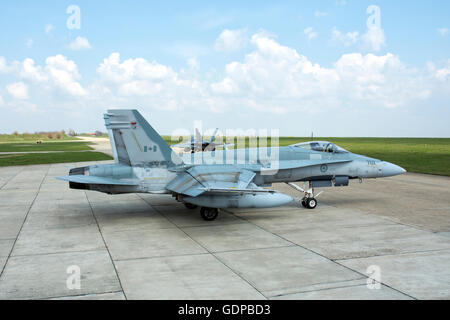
(321, 146)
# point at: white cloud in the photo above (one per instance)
(63, 73)
(141, 78)
(271, 78)
(443, 31)
(58, 73)
(2, 102)
(48, 29)
(18, 90)
(193, 64)
(231, 40)
(374, 39)
(319, 14)
(443, 74)
(80, 43)
(226, 86)
(113, 70)
(346, 39)
(31, 72)
(310, 33)
(279, 78)
(3, 66)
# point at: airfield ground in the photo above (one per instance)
(151, 247)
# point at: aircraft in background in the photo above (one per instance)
(144, 163)
(197, 144)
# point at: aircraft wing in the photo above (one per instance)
(201, 179)
(98, 180)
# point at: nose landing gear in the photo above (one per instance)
(308, 200)
(309, 203)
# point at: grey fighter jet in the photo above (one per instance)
(144, 163)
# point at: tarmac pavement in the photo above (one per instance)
(141, 246)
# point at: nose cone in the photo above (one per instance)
(390, 169)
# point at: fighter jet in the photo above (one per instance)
(197, 144)
(144, 163)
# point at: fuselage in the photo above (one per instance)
(291, 164)
(271, 165)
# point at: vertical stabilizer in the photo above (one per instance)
(135, 142)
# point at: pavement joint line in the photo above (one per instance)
(59, 227)
(15, 175)
(215, 225)
(319, 283)
(392, 254)
(55, 253)
(161, 257)
(211, 253)
(322, 289)
(325, 257)
(254, 249)
(402, 223)
(106, 246)
(6, 239)
(142, 229)
(23, 223)
(78, 295)
(198, 254)
(387, 218)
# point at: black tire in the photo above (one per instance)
(209, 214)
(190, 206)
(311, 203)
(304, 203)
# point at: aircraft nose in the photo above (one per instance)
(390, 169)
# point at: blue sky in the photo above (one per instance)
(296, 66)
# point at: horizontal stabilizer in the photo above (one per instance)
(98, 180)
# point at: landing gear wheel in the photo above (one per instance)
(190, 206)
(303, 203)
(311, 203)
(209, 214)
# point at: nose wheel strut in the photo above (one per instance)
(309, 199)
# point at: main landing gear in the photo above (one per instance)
(190, 206)
(308, 200)
(208, 214)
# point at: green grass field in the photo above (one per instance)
(54, 157)
(32, 137)
(421, 155)
(69, 149)
(45, 146)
